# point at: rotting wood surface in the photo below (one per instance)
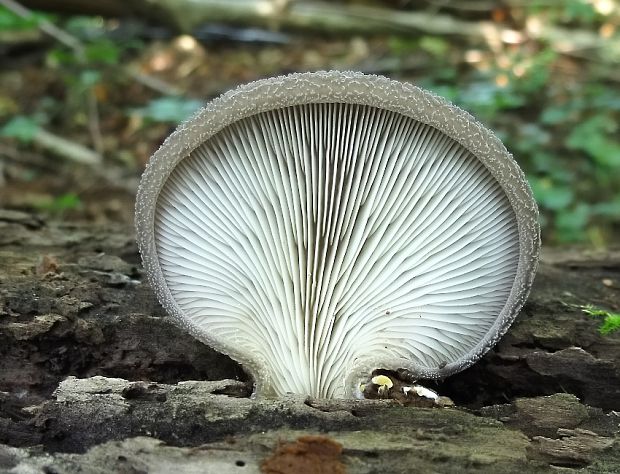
(95, 378)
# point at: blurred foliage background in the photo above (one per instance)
(88, 92)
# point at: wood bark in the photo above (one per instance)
(95, 378)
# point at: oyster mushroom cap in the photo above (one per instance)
(318, 226)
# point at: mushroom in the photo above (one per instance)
(318, 226)
(383, 383)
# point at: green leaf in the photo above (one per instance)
(66, 201)
(10, 21)
(169, 109)
(435, 45)
(550, 195)
(59, 204)
(102, 51)
(486, 98)
(571, 224)
(610, 209)
(57, 57)
(611, 324)
(89, 77)
(399, 45)
(555, 114)
(581, 10)
(611, 321)
(20, 127)
(595, 136)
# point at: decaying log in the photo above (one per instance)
(338, 19)
(113, 425)
(95, 378)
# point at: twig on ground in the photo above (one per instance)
(94, 122)
(152, 82)
(64, 148)
(47, 27)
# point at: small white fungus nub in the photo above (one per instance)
(318, 226)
